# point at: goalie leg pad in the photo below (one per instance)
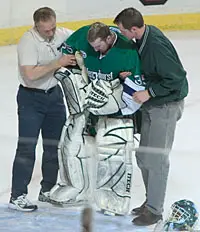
(114, 141)
(74, 157)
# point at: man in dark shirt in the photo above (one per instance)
(162, 99)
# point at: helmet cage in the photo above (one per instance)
(179, 215)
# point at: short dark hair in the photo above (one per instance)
(98, 30)
(129, 17)
(43, 14)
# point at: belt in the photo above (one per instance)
(38, 90)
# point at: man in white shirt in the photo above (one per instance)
(40, 106)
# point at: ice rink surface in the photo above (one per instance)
(185, 157)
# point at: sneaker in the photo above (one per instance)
(139, 210)
(21, 203)
(147, 218)
(45, 197)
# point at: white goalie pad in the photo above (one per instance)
(74, 153)
(115, 144)
(104, 98)
(74, 86)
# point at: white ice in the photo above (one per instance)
(185, 156)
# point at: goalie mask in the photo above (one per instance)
(183, 216)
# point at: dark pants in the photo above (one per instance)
(37, 111)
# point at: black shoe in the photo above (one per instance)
(146, 218)
(139, 210)
(21, 203)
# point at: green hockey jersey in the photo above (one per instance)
(122, 56)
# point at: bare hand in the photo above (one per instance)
(67, 60)
(141, 96)
(123, 75)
